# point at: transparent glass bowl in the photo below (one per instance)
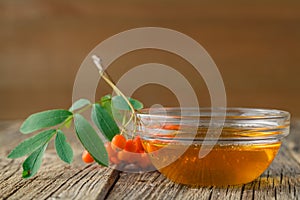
(205, 147)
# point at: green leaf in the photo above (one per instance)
(44, 119)
(63, 148)
(31, 144)
(113, 112)
(32, 164)
(119, 103)
(106, 103)
(90, 140)
(104, 122)
(79, 104)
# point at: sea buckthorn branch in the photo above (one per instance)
(105, 76)
(50, 123)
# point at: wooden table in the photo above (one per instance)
(57, 180)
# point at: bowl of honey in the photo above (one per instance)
(212, 146)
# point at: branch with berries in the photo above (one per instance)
(122, 146)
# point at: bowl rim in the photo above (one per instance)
(261, 113)
(271, 124)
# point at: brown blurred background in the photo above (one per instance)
(255, 44)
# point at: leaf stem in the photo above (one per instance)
(105, 76)
(72, 116)
(120, 94)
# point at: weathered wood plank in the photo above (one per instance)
(57, 180)
(9, 136)
(294, 140)
(146, 186)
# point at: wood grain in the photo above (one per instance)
(57, 180)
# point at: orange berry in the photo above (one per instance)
(141, 151)
(118, 142)
(171, 127)
(144, 161)
(124, 156)
(138, 143)
(135, 157)
(115, 160)
(86, 157)
(130, 146)
(110, 150)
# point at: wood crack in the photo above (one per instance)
(49, 184)
(113, 179)
(211, 189)
(227, 189)
(11, 174)
(67, 180)
(253, 193)
(83, 183)
(242, 191)
(19, 187)
(178, 190)
(94, 183)
(281, 176)
(295, 192)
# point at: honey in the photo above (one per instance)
(228, 163)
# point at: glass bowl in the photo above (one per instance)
(205, 147)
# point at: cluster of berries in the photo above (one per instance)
(122, 152)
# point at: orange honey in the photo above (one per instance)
(225, 164)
